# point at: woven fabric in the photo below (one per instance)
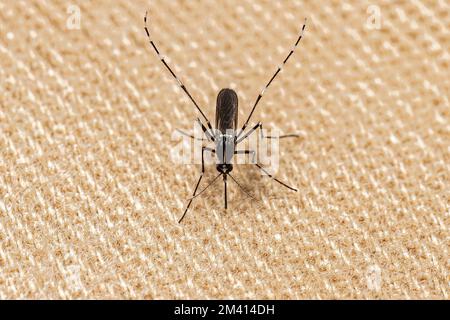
(89, 196)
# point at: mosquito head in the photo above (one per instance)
(224, 168)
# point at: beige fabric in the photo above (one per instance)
(89, 199)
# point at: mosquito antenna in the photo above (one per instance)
(195, 196)
(189, 204)
(271, 79)
(242, 188)
(173, 74)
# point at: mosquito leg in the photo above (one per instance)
(242, 188)
(207, 132)
(272, 177)
(203, 159)
(198, 182)
(260, 126)
(189, 204)
(279, 137)
(180, 83)
(245, 136)
(205, 188)
(252, 152)
(292, 135)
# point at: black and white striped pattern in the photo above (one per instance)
(173, 74)
(260, 126)
(273, 77)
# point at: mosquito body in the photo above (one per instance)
(226, 126)
(225, 135)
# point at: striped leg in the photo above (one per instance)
(225, 191)
(259, 125)
(262, 168)
(208, 134)
(190, 135)
(241, 187)
(273, 77)
(252, 152)
(173, 74)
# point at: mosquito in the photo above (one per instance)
(225, 135)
